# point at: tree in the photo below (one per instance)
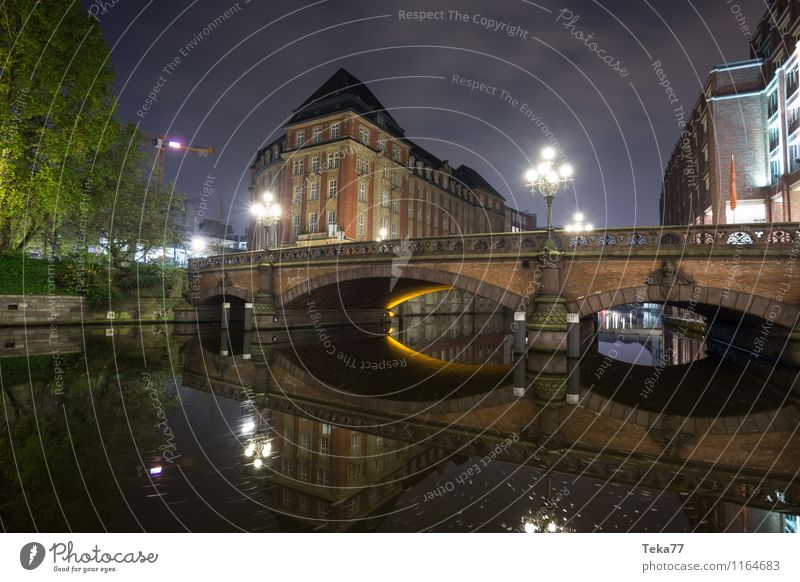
(132, 213)
(56, 116)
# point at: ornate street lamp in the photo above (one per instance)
(267, 214)
(579, 225)
(547, 180)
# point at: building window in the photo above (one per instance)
(334, 131)
(791, 82)
(364, 135)
(410, 209)
(323, 477)
(333, 160)
(312, 222)
(362, 192)
(385, 198)
(314, 191)
(298, 167)
(774, 171)
(362, 165)
(331, 218)
(355, 442)
(396, 153)
(325, 444)
(361, 225)
(395, 205)
(286, 498)
(793, 120)
(773, 138)
(419, 215)
(332, 188)
(315, 165)
(384, 221)
(298, 193)
(317, 135)
(299, 139)
(382, 143)
(322, 508)
(772, 104)
(296, 224)
(394, 230)
(304, 472)
(302, 503)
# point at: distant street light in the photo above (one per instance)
(579, 225)
(546, 180)
(381, 234)
(267, 214)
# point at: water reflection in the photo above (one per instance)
(651, 334)
(159, 432)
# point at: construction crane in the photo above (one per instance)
(162, 144)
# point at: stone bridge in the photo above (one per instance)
(743, 275)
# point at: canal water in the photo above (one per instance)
(412, 425)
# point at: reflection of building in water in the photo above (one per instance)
(328, 476)
(668, 335)
(453, 301)
(466, 339)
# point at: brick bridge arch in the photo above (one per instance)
(706, 301)
(370, 287)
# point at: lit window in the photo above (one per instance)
(299, 139)
(331, 217)
(296, 224)
(314, 195)
(312, 222)
(332, 188)
(385, 198)
(334, 131)
(362, 192)
(298, 167)
(364, 134)
(317, 135)
(361, 225)
(315, 164)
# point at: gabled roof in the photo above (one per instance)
(474, 180)
(341, 92)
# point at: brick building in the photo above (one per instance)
(748, 110)
(344, 169)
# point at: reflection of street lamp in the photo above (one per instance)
(381, 234)
(578, 226)
(267, 214)
(546, 180)
(543, 521)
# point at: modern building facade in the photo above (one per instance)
(748, 113)
(344, 170)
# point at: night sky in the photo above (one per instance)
(235, 86)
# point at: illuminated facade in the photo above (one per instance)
(345, 170)
(748, 110)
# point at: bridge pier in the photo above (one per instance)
(264, 308)
(547, 334)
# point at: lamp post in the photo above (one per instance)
(267, 213)
(546, 180)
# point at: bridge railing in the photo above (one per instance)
(708, 239)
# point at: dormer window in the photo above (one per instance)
(364, 135)
(299, 139)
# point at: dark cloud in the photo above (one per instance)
(617, 131)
